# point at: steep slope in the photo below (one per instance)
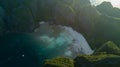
(109, 47)
(81, 16)
(76, 13)
(106, 8)
(18, 14)
(107, 28)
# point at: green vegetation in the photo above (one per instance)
(96, 60)
(59, 62)
(99, 60)
(107, 55)
(97, 57)
(110, 48)
(106, 8)
(93, 22)
(97, 23)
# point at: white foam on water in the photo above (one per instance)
(63, 40)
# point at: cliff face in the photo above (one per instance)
(94, 22)
(75, 13)
(106, 8)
